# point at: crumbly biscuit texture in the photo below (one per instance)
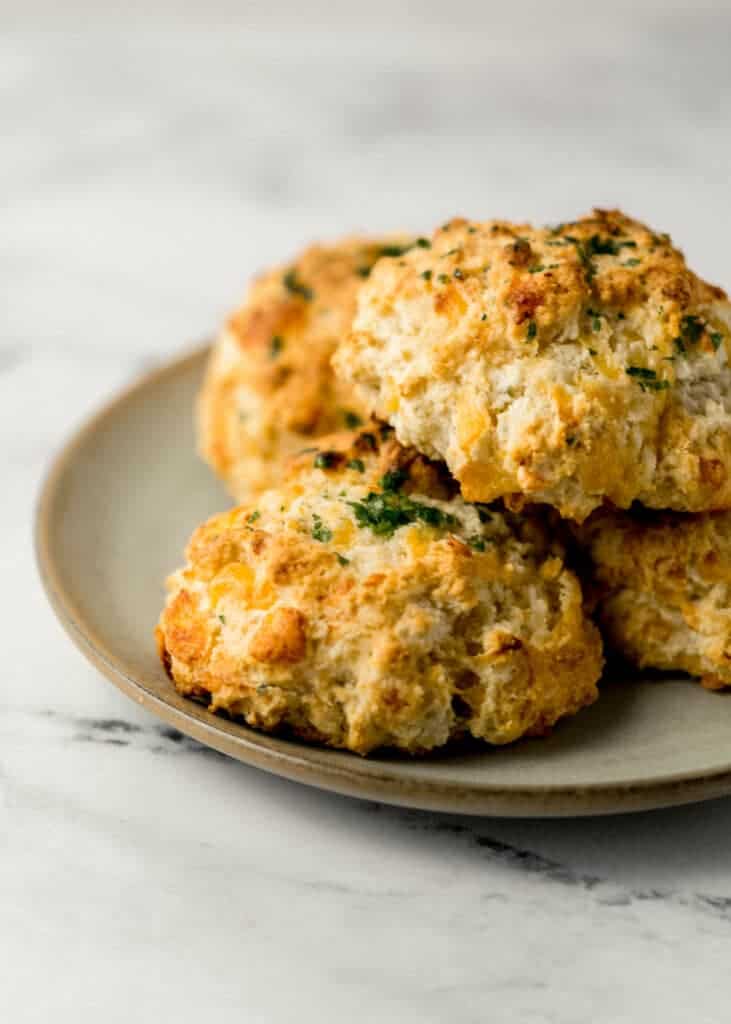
(567, 365)
(363, 604)
(269, 386)
(661, 584)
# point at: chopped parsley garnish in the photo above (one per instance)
(275, 346)
(325, 460)
(363, 271)
(352, 419)
(256, 514)
(476, 542)
(647, 379)
(426, 274)
(692, 328)
(384, 512)
(483, 512)
(596, 320)
(393, 250)
(320, 531)
(222, 618)
(393, 480)
(598, 246)
(369, 440)
(471, 230)
(634, 262)
(716, 340)
(584, 256)
(357, 464)
(342, 559)
(423, 243)
(532, 330)
(295, 287)
(691, 331)
(483, 317)
(443, 279)
(592, 351)
(538, 268)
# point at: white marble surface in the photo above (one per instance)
(150, 159)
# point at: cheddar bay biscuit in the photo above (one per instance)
(570, 365)
(269, 388)
(364, 604)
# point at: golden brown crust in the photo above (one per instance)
(661, 584)
(362, 604)
(567, 365)
(269, 388)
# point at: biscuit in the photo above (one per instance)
(364, 604)
(570, 365)
(269, 387)
(661, 586)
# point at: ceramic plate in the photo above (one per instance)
(114, 515)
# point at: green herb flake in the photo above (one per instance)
(646, 378)
(443, 279)
(363, 271)
(716, 340)
(483, 512)
(426, 274)
(477, 542)
(483, 317)
(321, 532)
(537, 268)
(592, 352)
(352, 419)
(423, 243)
(634, 262)
(692, 328)
(342, 559)
(471, 230)
(256, 514)
(325, 460)
(385, 512)
(222, 619)
(275, 346)
(294, 286)
(393, 251)
(532, 330)
(369, 440)
(393, 480)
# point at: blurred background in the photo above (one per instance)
(153, 155)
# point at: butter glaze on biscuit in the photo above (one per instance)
(363, 604)
(568, 365)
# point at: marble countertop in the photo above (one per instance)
(150, 161)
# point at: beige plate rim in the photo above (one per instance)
(363, 778)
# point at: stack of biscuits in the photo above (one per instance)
(465, 463)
